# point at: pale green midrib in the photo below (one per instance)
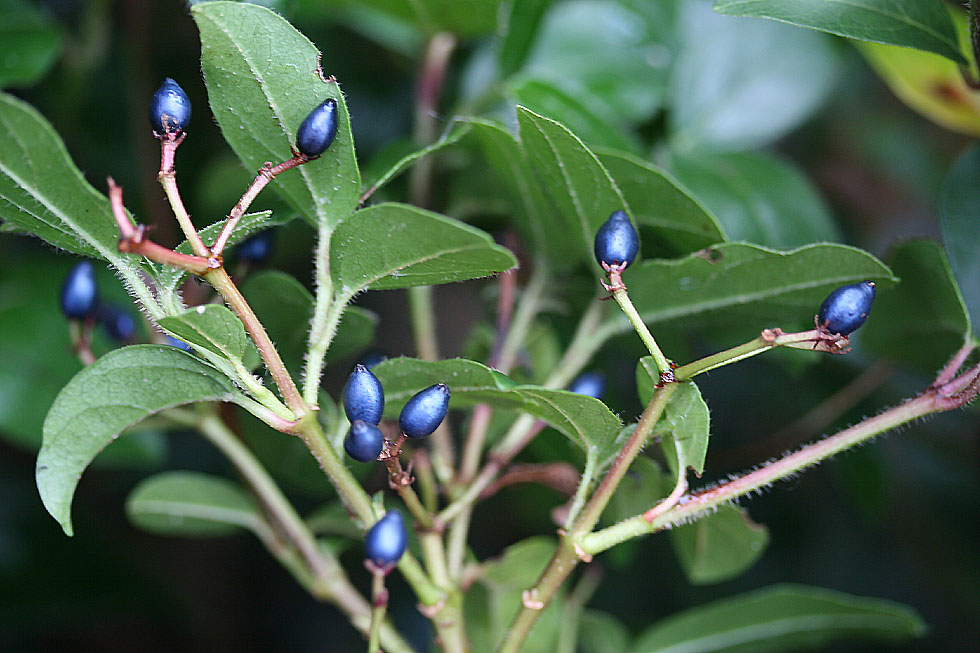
(170, 509)
(761, 632)
(902, 18)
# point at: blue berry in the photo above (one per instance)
(258, 248)
(374, 357)
(318, 129)
(170, 109)
(425, 411)
(118, 323)
(386, 541)
(79, 295)
(590, 384)
(846, 308)
(179, 344)
(364, 441)
(364, 398)
(616, 241)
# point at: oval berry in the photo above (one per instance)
(590, 384)
(318, 129)
(364, 398)
(616, 241)
(364, 441)
(846, 308)
(258, 248)
(386, 541)
(170, 108)
(425, 411)
(79, 295)
(118, 323)
(179, 344)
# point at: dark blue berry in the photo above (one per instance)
(425, 411)
(846, 308)
(258, 248)
(364, 441)
(386, 541)
(79, 295)
(170, 109)
(590, 384)
(179, 344)
(364, 398)
(318, 129)
(616, 241)
(118, 323)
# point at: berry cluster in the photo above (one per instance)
(80, 302)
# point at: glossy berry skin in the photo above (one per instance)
(118, 323)
(364, 441)
(79, 295)
(846, 308)
(258, 248)
(318, 129)
(179, 344)
(425, 411)
(170, 109)
(364, 398)
(616, 241)
(590, 384)
(386, 541)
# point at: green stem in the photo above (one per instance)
(527, 309)
(622, 298)
(379, 601)
(327, 312)
(577, 599)
(769, 339)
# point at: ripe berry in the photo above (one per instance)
(258, 248)
(846, 308)
(179, 344)
(425, 411)
(318, 129)
(364, 441)
(79, 296)
(170, 109)
(616, 241)
(118, 323)
(590, 384)
(386, 541)
(364, 398)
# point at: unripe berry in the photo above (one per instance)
(590, 384)
(364, 398)
(386, 541)
(318, 129)
(118, 323)
(258, 248)
(425, 411)
(364, 441)
(79, 295)
(846, 308)
(616, 241)
(170, 109)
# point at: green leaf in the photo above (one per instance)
(645, 484)
(584, 420)
(757, 198)
(923, 320)
(118, 390)
(397, 246)
(741, 84)
(747, 288)
(685, 419)
(571, 175)
(452, 135)
(781, 618)
(669, 217)
(719, 547)
(961, 235)
(43, 193)
(919, 24)
(285, 308)
(212, 327)
(580, 42)
(192, 504)
(263, 79)
(546, 99)
(523, 20)
(533, 216)
(601, 632)
(466, 17)
(30, 43)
